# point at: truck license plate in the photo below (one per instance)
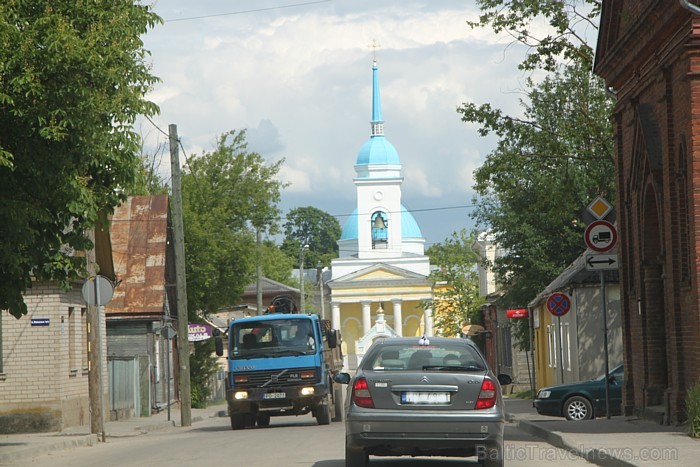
(424, 397)
(274, 395)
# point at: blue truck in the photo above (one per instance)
(282, 363)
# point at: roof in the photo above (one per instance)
(139, 233)
(378, 151)
(409, 226)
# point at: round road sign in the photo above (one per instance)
(600, 236)
(558, 304)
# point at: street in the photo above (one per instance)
(289, 441)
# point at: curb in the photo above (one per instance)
(594, 456)
(62, 442)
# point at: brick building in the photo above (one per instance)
(649, 56)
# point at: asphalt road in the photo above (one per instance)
(289, 441)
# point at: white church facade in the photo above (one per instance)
(379, 283)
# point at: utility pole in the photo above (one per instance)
(181, 285)
(95, 367)
(258, 271)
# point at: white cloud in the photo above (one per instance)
(300, 80)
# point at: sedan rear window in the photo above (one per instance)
(424, 357)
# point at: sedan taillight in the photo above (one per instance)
(360, 394)
(487, 396)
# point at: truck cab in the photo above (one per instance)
(282, 364)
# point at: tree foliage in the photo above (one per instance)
(313, 227)
(563, 38)
(226, 194)
(546, 168)
(555, 158)
(455, 282)
(73, 76)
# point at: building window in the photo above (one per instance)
(84, 340)
(551, 353)
(568, 346)
(71, 340)
(380, 230)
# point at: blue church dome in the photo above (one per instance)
(377, 150)
(409, 226)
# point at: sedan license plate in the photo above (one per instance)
(424, 397)
(274, 395)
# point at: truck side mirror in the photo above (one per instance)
(342, 378)
(332, 338)
(219, 345)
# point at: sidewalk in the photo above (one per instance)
(25, 446)
(617, 442)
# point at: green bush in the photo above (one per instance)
(693, 407)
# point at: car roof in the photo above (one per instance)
(415, 341)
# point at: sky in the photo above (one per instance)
(296, 74)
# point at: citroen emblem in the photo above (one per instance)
(424, 379)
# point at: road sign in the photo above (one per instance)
(600, 208)
(600, 236)
(104, 292)
(601, 262)
(558, 304)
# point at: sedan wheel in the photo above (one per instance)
(355, 457)
(578, 408)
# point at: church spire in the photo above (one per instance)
(377, 123)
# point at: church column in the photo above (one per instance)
(335, 315)
(366, 317)
(398, 319)
(428, 319)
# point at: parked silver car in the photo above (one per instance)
(423, 397)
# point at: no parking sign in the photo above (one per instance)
(558, 304)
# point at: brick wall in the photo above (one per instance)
(651, 58)
(44, 380)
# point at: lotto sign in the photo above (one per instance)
(558, 304)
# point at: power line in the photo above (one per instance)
(255, 10)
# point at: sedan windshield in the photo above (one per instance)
(450, 357)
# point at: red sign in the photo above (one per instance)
(600, 236)
(519, 313)
(558, 304)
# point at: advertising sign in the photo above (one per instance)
(198, 332)
(519, 313)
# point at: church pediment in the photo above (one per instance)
(379, 272)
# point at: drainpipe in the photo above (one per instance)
(690, 7)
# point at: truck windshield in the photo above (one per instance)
(272, 338)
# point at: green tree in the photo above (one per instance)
(73, 76)
(277, 265)
(224, 193)
(455, 282)
(564, 38)
(547, 166)
(313, 227)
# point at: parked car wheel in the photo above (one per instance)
(578, 408)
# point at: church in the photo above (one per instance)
(379, 284)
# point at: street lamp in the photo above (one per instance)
(301, 276)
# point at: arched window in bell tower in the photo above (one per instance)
(380, 230)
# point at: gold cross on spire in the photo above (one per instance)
(374, 46)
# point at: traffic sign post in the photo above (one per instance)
(601, 236)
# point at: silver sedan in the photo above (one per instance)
(423, 397)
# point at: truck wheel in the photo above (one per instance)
(323, 412)
(337, 404)
(263, 419)
(237, 421)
